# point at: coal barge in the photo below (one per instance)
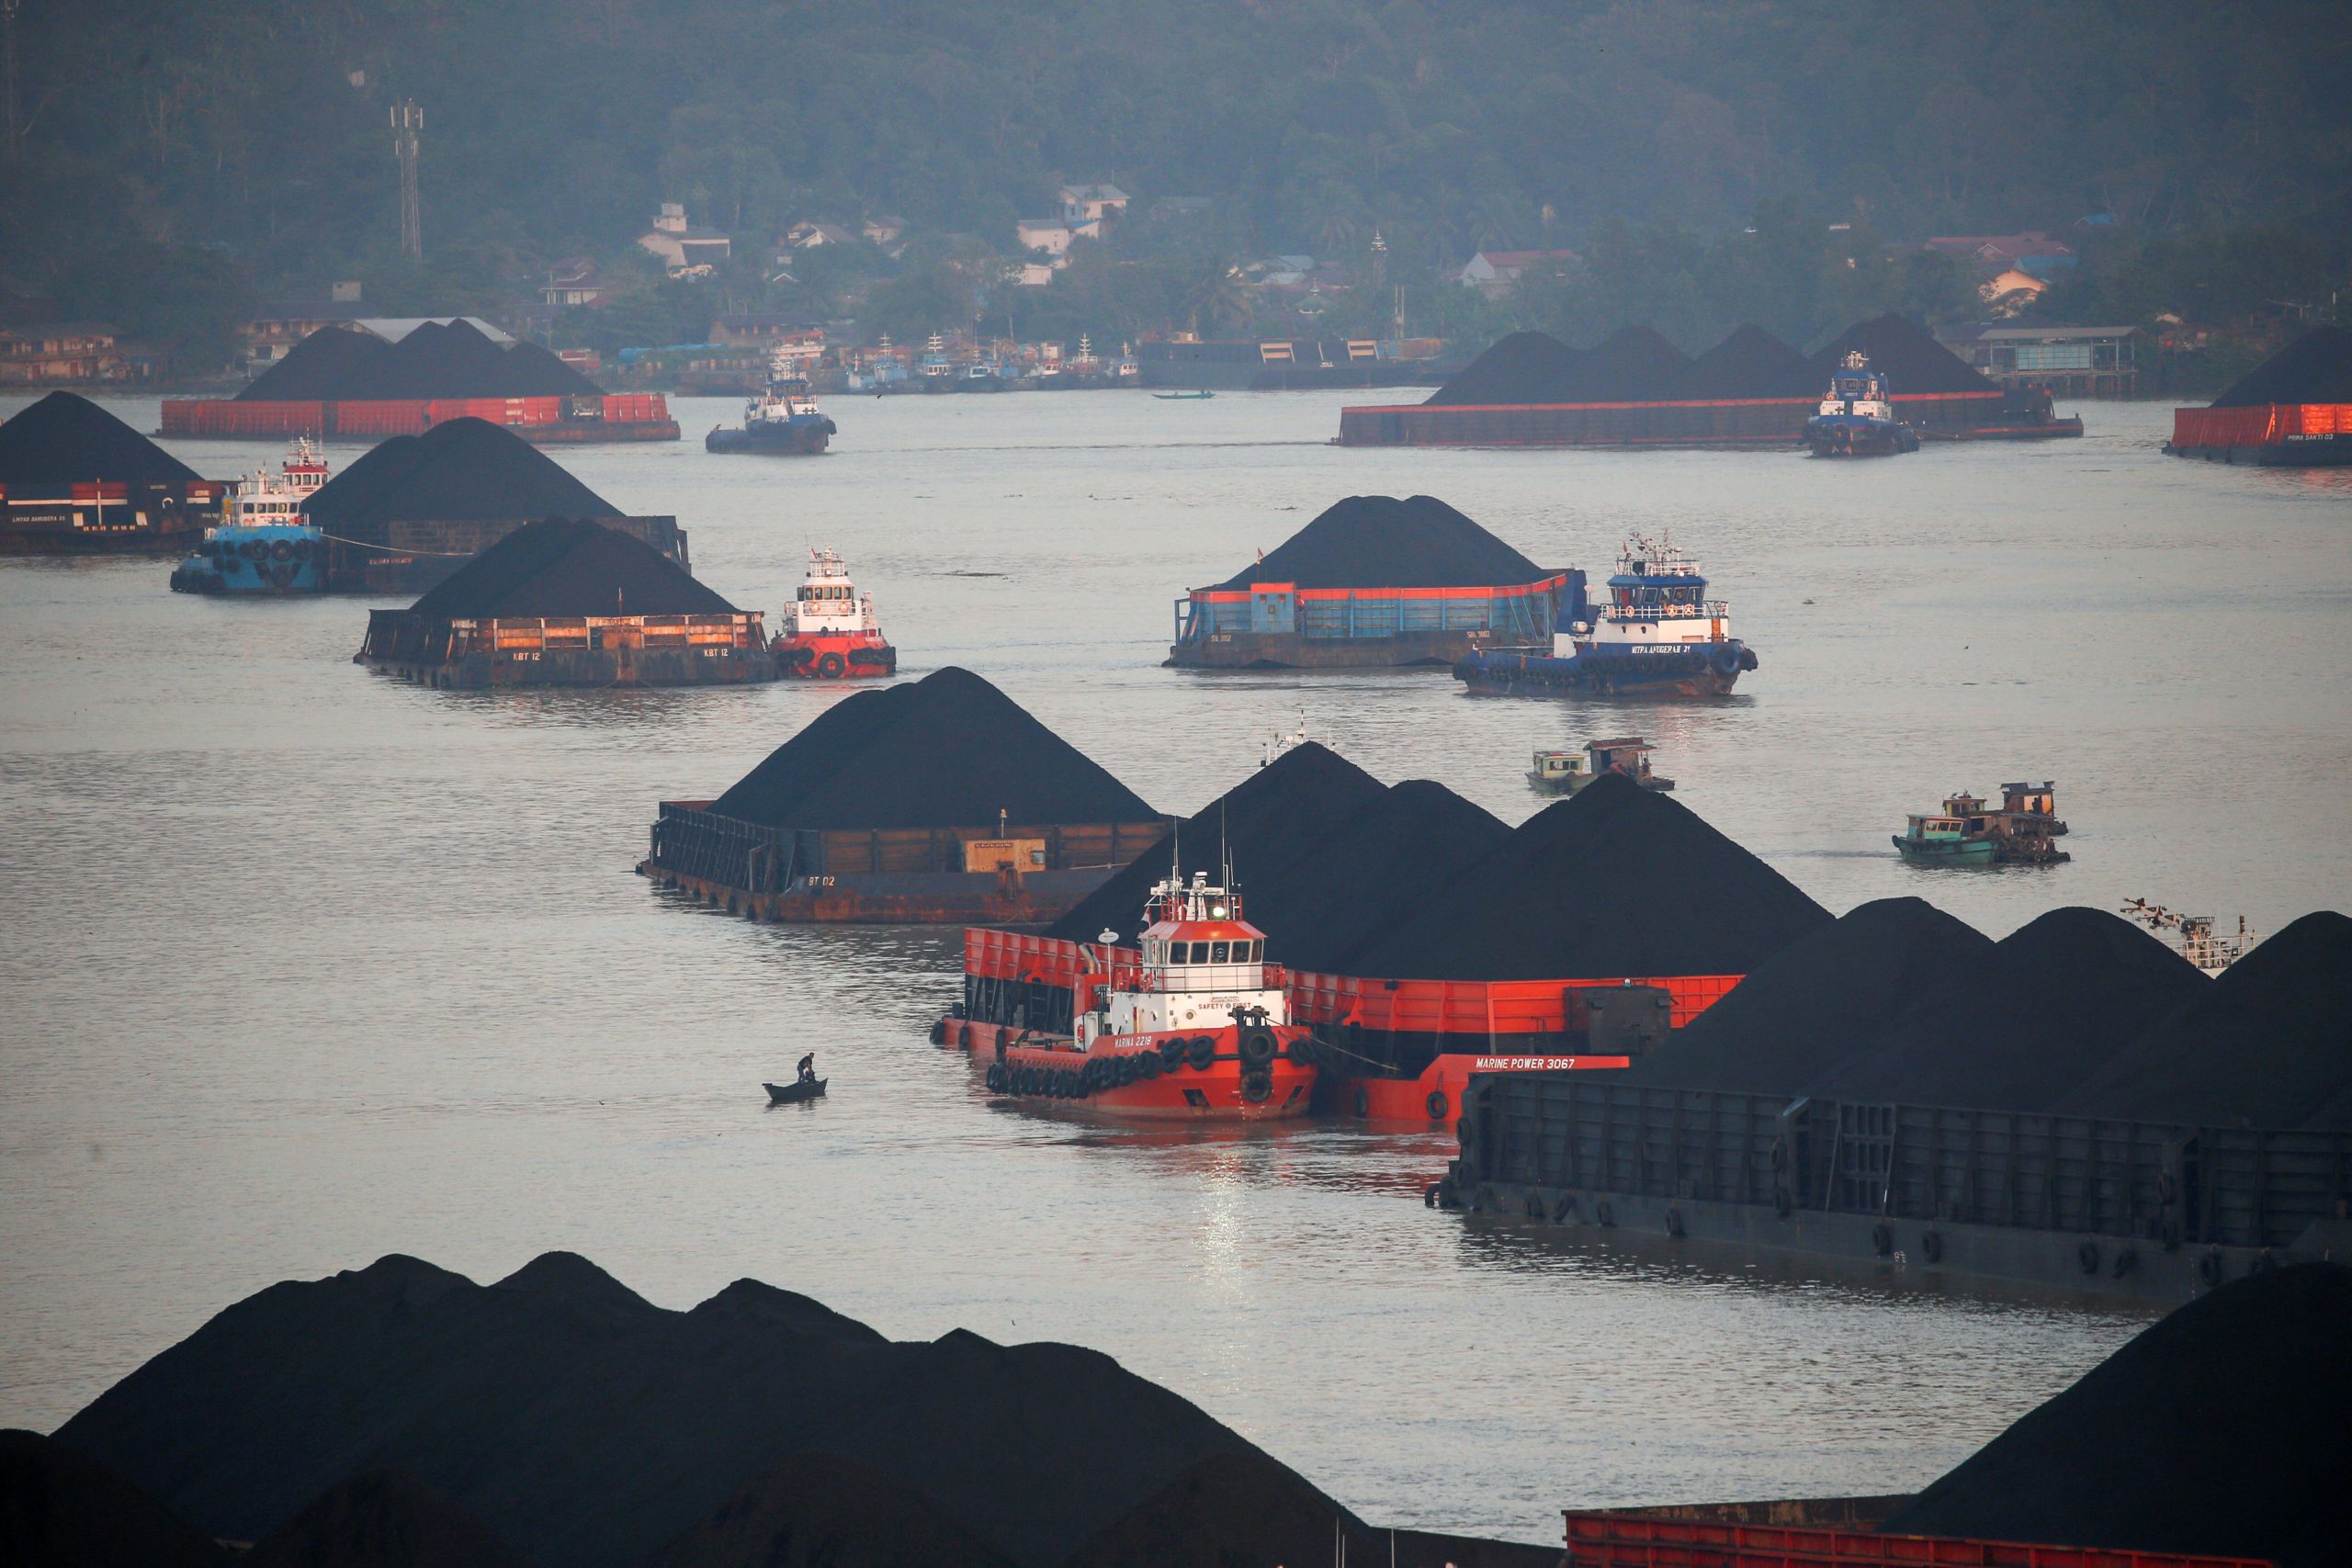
(569, 604)
(2293, 411)
(1372, 582)
(76, 480)
(1636, 390)
(857, 819)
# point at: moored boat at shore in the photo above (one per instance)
(1657, 635)
(1198, 1029)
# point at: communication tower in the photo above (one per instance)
(408, 122)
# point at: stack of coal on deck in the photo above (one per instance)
(570, 602)
(902, 782)
(77, 480)
(403, 1414)
(412, 509)
(434, 359)
(1370, 561)
(2079, 1012)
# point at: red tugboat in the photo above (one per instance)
(829, 631)
(1198, 1028)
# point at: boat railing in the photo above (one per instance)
(1705, 610)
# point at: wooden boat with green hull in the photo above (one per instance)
(1931, 840)
(1965, 832)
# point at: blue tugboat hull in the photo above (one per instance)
(802, 438)
(1711, 671)
(1846, 436)
(255, 562)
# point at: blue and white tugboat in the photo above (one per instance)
(783, 420)
(265, 544)
(1857, 417)
(1658, 634)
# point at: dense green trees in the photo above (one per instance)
(1647, 133)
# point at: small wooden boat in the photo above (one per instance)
(786, 1094)
(1184, 397)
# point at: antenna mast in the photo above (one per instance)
(408, 124)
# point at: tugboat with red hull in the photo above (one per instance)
(1197, 1027)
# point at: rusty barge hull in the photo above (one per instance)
(579, 651)
(1757, 423)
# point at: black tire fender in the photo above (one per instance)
(1674, 1223)
(1201, 1053)
(2211, 1267)
(1931, 1246)
(1436, 1105)
(1256, 1047)
(2086, 1254)
(1148, 1064)
(832, 666)
(1257, 1086)
(1882, 1240)
(939, 1031)
(1363, 1102)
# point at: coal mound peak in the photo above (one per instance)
(1750, 362)
(1632, 365)
(2314, 368)
(1615, 881)
(567, 1276)
(2221, 1430)
(65, 439)
(764, 1305)
(461, 471)
(60, 1508)
(1379, 541)
(384, 1518)
(436, 359)
(949, 751)
(1265, 823)
(1908, 354)
(1524, 367)
(2268, 1044)
(569, 568)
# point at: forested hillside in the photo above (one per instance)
(163, 148)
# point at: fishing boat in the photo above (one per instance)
(1968, 832)
(828, 632)
(1197, 1027)
(800, 1090)
(1657, 635)
(1558, 772)
(2193, 936)
(1857, 417)
(265, 544)
(783, 420)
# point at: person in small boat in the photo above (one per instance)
(808, 1067)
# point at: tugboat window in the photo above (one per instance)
(1200, 953)
(1175, 951)
(1219, 952)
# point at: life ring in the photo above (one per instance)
(1256, 1047)
(2087, 1256)
(832, 666)
(1674, 1223)
(1363, 1102)
(1436, 1105)
(1257, 1086)
(1882, 1240)
(1147, 1063)
(1201, 1053)
(282, 550)
(1931, 1246)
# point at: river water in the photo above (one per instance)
(300, 966)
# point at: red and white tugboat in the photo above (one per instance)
(1199, 1029)
(828, 630)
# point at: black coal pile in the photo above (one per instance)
(1614, 881)
(1830, 994)
(819, 1510)
(453, 359)
(2314, 368)
(2268, 1044)
(1634, 364)
(1751, 363)
(949, 751)
(1246, 1508)
(1264, 823)
(1367, 871)
(1908, 354)
(2028, 1022)
(1378, 541)
(1523, 367)
(65, 440)
(60, 1508)
(463, 470)
(383, 1519)
(2225, 1429)
(590, 1428)
(569, 568)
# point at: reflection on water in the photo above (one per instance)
(302, 966)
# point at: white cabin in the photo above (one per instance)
(1657, 603)
(1201, 964)
(828, 603)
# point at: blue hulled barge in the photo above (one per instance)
(1657, 635)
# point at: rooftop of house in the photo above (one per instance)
(35, 331)
(2052, 335)
(1094, 193)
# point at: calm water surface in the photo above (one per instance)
(300, 966)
